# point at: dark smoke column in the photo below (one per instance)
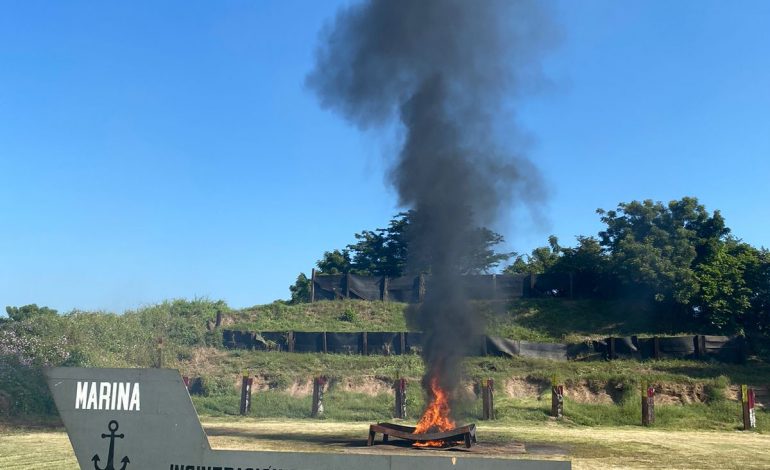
(443, 68)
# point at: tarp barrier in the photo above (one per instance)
(364, 287)
(403, 289)
(480, 287)
(344, 343)
(721, 348)
(329, 287)
(677, 347)
(308, 342)
(502, 346)
(384, 343)
(543, 350)
(551, 285)
(724, 348)
(511, 286)
(407, 288)
(413, 342)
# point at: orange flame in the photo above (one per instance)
(436, 416)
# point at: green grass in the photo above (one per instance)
(541, 320)
(343, 315)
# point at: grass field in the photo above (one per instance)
(595, 447)
(544, 320)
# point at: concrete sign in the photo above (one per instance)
(143, 419)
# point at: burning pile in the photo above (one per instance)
(444, 68)
(436, 417)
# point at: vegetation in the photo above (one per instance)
(602, 447)
(678, 257)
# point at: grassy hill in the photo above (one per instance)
(693, 394)
(544, 320)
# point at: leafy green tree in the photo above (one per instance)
(654, 248)
(335, 262)
(385, 251)
(543, 259)
(482, 257)
(300, 290)
(28, 311)
(586, 258)
(724, 297)
(382, 252)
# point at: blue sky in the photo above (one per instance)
(157, 150)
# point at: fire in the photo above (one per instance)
(436, 416)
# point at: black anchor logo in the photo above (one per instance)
(113, 426)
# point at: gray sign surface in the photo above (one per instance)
(143, 419)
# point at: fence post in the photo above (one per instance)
(323, 341)
(347, 285)
(246, 384)
(648, 405)
(557, 399)
(290, 341)
(487, 399)
(402, 343)
(400, 406)
(421, 287)
(364, 343)
(160, 352)
(385, 288)
(531, 284)
(747, 402)
(656, 347)
(494, 286)
(312, 286)
(318, 396)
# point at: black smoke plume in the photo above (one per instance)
(445, 69)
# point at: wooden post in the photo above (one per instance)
(385, 288)
(400, 405)
(246, 384)
(402, 342)
(421, 287)
(347, 285)
(700, 346)
(557, 399)
(160, 353)
(365, 343)
(656, 347)
(487, 399)
(648, 405)
(218, 321)
(747, 402)
(312, 286)
(318, 397)
(323, 341)
(290, 341)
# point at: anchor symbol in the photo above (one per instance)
(113, 426)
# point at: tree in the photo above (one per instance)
(335, 262)
(382, 252)
(385, 251)
(300, 290)
(654, 248)
(724, 298)
(28, 311)
(542, 259)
